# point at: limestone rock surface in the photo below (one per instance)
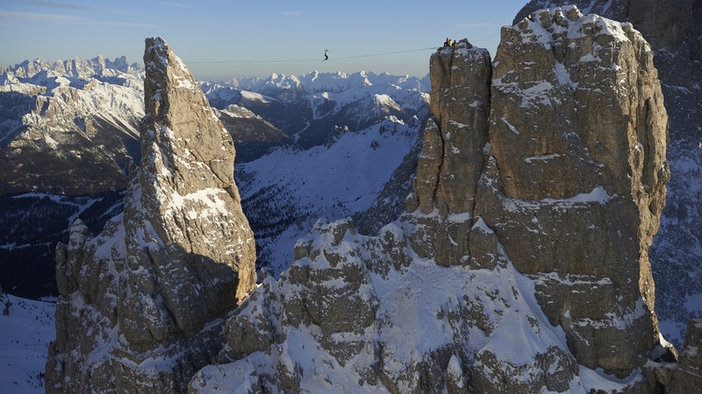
(452, 157)
(672, 28)
(578, 135)
(522, 262)
(139, 304)
(687, 377)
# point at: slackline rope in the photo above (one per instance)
(312, 60)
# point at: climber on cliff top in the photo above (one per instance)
(326, 57)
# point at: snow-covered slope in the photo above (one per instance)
(408, 323)
(26, 328)
(285, 192)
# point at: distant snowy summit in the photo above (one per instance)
(66, 121)
(39, 72)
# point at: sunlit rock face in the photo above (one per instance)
(139, 304)
(575, 184)
(522, 262)
(452, 157)
(673, 30)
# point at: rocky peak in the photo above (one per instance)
(565, 199)
(576, 180)
(672, 25)
(525, 245)
(452, 158)
(179, 257)
(184, 203)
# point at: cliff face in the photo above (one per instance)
(452, 156)
(574, 182)
(578, 133)
(152, 286)
(672, 28)
(522, 262)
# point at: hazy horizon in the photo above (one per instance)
(224, 39)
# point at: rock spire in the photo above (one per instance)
(575, 182)
(139, 303)
(571, 160)
(522, 262)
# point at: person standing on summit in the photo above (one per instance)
(326, 56)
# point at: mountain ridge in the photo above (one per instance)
(341, 233)
(113, 135)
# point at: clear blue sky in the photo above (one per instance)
(222, 39)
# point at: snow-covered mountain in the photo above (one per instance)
(285, 192)
(64, 122)
(316, 146)
(348, 133)
(315, 107)
(355, 127)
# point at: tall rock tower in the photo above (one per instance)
(572, 172)
(578, 134)
(137, 303)
(452, 156)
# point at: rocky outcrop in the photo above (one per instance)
(452, 156)
(359, 314)
(672, 25)
(672, 28)
(687, 377)
(576, 205)
(451, 160)
(139, 305)
(522, 263)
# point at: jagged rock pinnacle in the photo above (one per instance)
(180, 256)
(578, 135)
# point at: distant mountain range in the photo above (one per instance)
(311, 150)
(69, 132)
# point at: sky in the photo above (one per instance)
(224, 39)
